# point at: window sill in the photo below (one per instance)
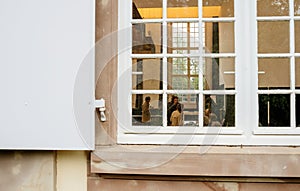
(196, 161)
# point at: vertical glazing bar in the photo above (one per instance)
(129, 63)
(254, 52)
(292, 64)
(165, 63)
(201, 72)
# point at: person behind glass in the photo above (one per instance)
(172, 107)
(176, 119)
(146, 115)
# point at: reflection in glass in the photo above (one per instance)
(219, 37)
(219, 111)
(146, 74)
(183, 73)
(146, 38)
(182, 110)
(273, 73)
(297, 36)
(272, 7)
(146, 110)
(217, 8)
(273, 37)
(183, 38)
(182, 9)
(297, 73)
(298, 110)
(142, 9)
(274, 110)
(218, 73)
(297, 7)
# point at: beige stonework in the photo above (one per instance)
(27, 170)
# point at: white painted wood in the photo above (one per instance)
(246, 90)
(292, 64)
(46, 58)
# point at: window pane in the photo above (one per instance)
(146, 74)
(146, 38)
(272, 7)
(297, 72)
(142, 9)
(297, 36)
(147, 113)
(274, 73)
(183, 38)
(218, 73)
(187, 113)
(298, 110)
(274, 110)
(219, 110)
(217, 8)
(219, 37)
(182, 9)
(297, 7)
(273, 37)
(183, 73)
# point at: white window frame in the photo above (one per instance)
(246, 131)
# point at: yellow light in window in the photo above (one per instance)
(180, 12)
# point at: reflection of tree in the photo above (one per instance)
(185, 73)
(278, 7)
(281, 6)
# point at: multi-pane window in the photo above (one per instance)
(222, 68)
(277, 55)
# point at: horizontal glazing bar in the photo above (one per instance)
(135, 21)
(220, 55)
(230, 19)
(284, 18)
(219, 92)
(147, 55)
(280, 55)
(147, 91)
(274, 91)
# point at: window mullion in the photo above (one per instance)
(200, 63)
(292, 64)
(165, 63)
(245, 72)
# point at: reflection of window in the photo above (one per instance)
(233, 80)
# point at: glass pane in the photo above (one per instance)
(142, 9)
(219, 110)
(297, 36)
(146, 74)
(219, 37)
(183, 73)
(274, 110)
(297, 7)
(146, 38)
(274, 73)
(147, 109)
(183, 110)
(217, 8)
(183, 38)
(272, 7)
(182, 9)
(298, 110)
(218, 73)
(297, 72)
(273, 37)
